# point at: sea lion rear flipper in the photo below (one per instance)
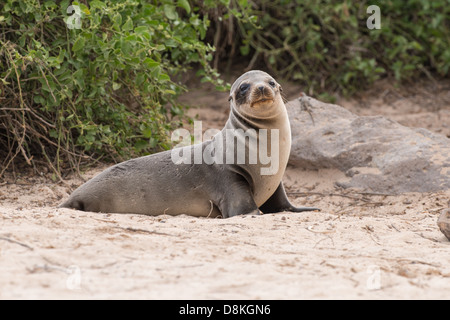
(279, 202)
(72, 204)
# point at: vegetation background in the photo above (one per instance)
(108, 90)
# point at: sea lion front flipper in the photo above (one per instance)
(279, 202)
(237, 200)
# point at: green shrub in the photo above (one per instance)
(108, 89)
(97, 91)
(326, 45)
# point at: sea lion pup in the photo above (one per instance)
(238, 172)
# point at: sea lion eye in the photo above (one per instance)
(244, 87)
(272, 83)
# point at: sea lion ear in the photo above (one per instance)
(280, 88)
(230, 98)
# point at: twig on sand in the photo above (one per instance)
(326, 238)
(137, 230)
(427, 238)
(370, 230)
(326, 233)
(310, 228)
(17, 242)
(368, 201)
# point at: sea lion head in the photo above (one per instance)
(256, 94)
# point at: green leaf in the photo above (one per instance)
(171, 43)
(185, 5)
(117, 21)
(245, 50)
(116, 86)
(78, 44)
(127, 47)
(163, 77)
(97, 4)
(169, 91)
(39, 100)
(147, 132)
(53, 133)
(50, 4)
(140, 145)
(141, 29)
(128, 25)
(78, 78)
(170, 12)
(149, 62)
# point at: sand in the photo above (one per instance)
(360, 246)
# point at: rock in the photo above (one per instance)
(444, 223)
(377, 154)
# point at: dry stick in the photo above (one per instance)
(17, 76)
(373, 239)
(60, 148)
(15, 109)
(310, 228)
(9, 153)
(232, 42)
(35, 132)
(144, 231)
(325, 195)
(57, 170)
(17, 242)
(394, 259)
(326, 237)
(393, 226)
(8, 137)
(413, 261)
(10, 159)
(427, 238)
(375, 194)
(46, 81)
(42, 120)
(367, 201)
(216, 43)
(77, 167)
(29, 109)
(20, 140)
(53, 167)
(253, 60)
(22, 104)
(9, 162)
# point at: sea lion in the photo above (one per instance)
(212, 178)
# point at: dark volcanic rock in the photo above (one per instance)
(377, 154)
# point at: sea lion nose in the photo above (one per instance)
(261, 88)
